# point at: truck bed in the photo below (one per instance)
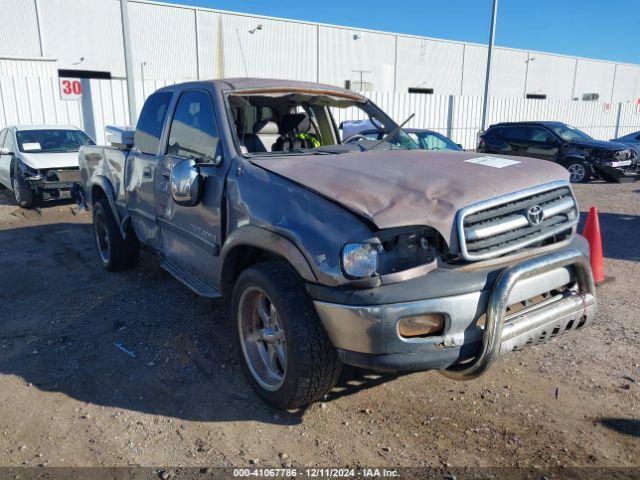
(108, 162)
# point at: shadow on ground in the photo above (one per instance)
(628, 426)
(7, 199)
(619, 235)
(63, 320)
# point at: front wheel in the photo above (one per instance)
(578, 172)
(286, 354)
(21, 191)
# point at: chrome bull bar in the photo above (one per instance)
(492, 338)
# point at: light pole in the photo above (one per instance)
(128, 62)
(492, 33)
(244, 61)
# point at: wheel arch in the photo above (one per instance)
(101, 188)
(573, 159)
(250, 245)
(16, 163)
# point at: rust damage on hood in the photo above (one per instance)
(406, 188)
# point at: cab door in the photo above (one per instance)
(142, 172)
(515, 140)
(541, 143)
(191, 234)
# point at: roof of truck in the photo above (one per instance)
(242, 83)
(269, 85)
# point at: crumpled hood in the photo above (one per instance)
(411, 187)
(50, 160)
(599, 144)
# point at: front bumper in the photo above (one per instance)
(54, 183)
(367, 335)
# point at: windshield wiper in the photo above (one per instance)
(390, 134)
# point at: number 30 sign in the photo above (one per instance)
(70, 89)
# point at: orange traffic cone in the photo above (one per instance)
(592, 233)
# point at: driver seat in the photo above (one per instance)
(295, 126)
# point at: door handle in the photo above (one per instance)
(166, 174)
(146, 172)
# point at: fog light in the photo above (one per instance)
(421, 325)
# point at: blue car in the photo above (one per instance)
(633, 140)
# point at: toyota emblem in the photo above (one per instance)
(535, 215)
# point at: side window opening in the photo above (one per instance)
(432, 142)
(514, 133)
(151, 121)
(193, 132)
(538, 134)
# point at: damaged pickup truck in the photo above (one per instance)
(372, 253)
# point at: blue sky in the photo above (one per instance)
(587, 28)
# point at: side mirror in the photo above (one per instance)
(5, 151)
(186, 183)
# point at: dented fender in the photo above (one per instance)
(293, 216)
(257, 237)
(105, 185)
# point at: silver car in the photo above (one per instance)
(40, 162)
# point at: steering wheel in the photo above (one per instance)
(356, 137)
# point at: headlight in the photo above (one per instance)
(393, 250)
(360, 260)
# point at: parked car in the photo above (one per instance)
(337, 252)
(40, 162)
(351, 127)
(632, 140)
(580, 154)
(426, 139)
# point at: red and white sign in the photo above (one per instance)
(70, 89)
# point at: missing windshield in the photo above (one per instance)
(306, 122)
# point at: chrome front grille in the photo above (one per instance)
(510, 222)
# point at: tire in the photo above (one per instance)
(22, 193)
(116, 253)
(306, 365)
(578, 171)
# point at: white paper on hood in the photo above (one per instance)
(31, 146)
(495, 162)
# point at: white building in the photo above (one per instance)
(174, 43)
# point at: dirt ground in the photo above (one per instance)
(174, 395)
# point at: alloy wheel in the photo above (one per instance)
(262, 338)
(577, 172)
(102, 237)
(16, 190)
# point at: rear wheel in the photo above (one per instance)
(578, 172)
(286, 354)
(116, 252)
(21, 191)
